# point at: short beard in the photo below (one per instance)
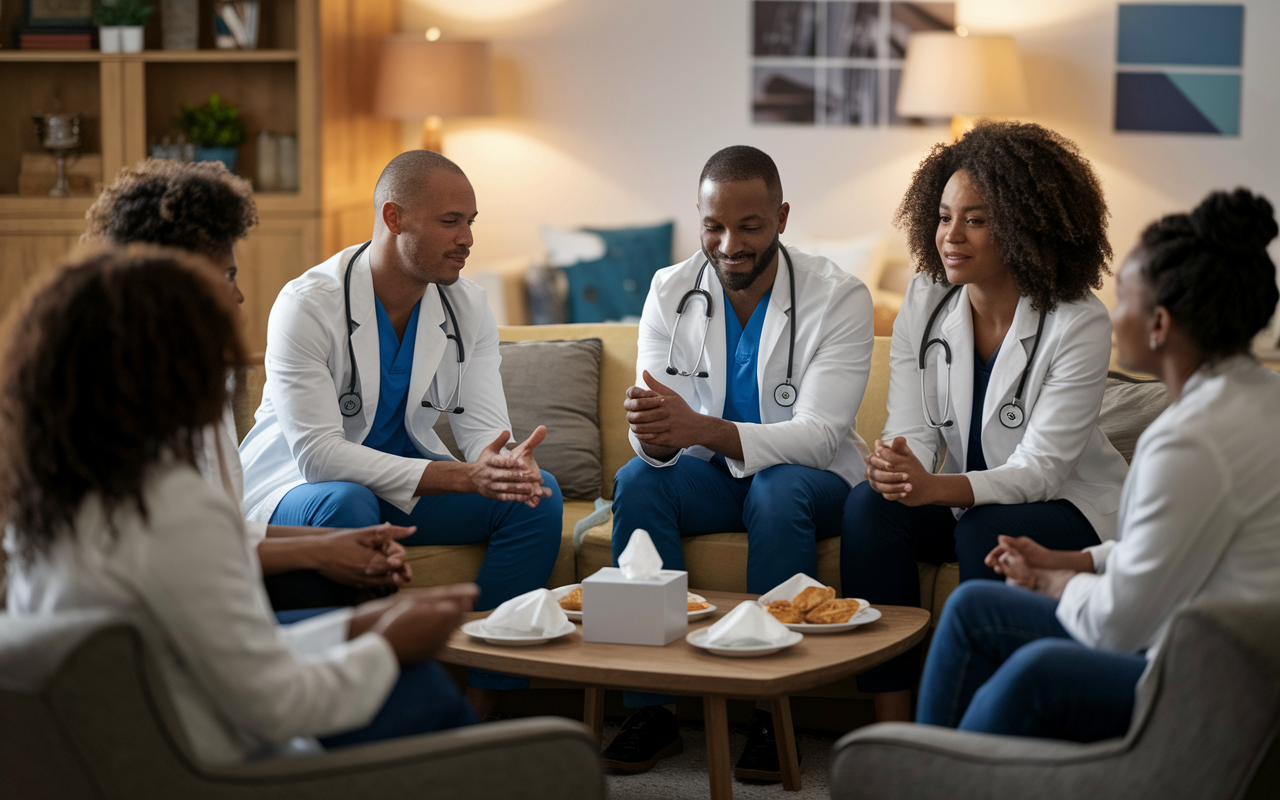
(736, 282)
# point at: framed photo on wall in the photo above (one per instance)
(58, 13)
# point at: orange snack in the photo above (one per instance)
(785, 612)
(698, 606)
(834, 612)
(812, 597)
(572, 601)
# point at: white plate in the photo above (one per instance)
(698, 639)
(475, 629)
(576, 616)
(863, 617)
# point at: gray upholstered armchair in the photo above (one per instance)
(83, 714)
(1204, 728)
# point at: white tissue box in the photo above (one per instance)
(653, 612)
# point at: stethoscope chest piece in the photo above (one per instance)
(350, 404)
(785, 395)
(1011, 415)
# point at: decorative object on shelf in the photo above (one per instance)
(236, 25)
(180, 24)
(288, 162)
(268, 162)
(39, 172)
(120, 24)
(179, 150)
(60, 135)
(215, 129)
(423, 79)
(963, 77)
(58, 14)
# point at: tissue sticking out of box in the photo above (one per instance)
(640, 560)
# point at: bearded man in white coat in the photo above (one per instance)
(748, 426)
(364, 352)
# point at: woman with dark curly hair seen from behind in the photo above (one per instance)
(999, 360)
(104, 508)
(202, 208)
(1199, 517)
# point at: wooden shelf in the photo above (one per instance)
(153, 56)
(24, 205)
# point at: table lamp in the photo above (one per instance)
(420, 78)
(962, 77)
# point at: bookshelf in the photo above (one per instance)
(312, 76)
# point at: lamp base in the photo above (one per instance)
(433, 134)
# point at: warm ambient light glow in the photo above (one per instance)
(946, 75)
(428, 80)
(962, 30)
(486, 10)
(433, 34)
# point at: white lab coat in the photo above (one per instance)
(1199, 517)
(1058, 452)
(300, 436)
(835, 333)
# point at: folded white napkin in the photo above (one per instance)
(533, 613)
(748, 625)
(788, 589)
(640, 560)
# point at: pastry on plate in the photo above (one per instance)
(834, 612)
(572, 601)
(785, 612)
(812, 597)
(696, 603)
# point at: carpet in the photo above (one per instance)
(685, 776)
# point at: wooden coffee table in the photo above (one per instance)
(682, 669)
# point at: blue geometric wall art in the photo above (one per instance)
(1179, 68)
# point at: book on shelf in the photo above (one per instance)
(236, 25)
(29, 38)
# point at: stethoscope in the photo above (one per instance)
(350, 403)
(785, 393)
(1011, 413)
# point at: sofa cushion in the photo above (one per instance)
(556, 384)
(1129, 405)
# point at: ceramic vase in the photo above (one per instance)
(131, 39)
(109, 39)
(227, 155)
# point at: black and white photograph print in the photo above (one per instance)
(783, 94)
(852, 96)
(787, 28)
(908, 18)
(853, 30)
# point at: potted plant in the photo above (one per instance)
(215, 129)
(120, 24)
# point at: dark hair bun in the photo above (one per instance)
(1239, 221)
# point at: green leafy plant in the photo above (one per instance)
(108, 13)
(215, 124)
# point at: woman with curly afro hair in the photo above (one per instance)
(998, 364)
(202, 208)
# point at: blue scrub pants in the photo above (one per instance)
(882, 540)
(523, 542)
(785, 510)
(424, 699)
(1001, 663)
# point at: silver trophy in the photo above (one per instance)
(60, 135)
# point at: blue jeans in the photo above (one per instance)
(424, 699)
(784, 509)
(882, 540)
(1001, 663)
(523, 542)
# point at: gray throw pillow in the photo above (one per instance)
(556, 384)
(1129, 405)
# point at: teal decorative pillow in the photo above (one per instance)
(615, 286)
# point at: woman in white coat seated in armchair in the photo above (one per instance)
(999, 360)
(104, 508)
(1199, 517)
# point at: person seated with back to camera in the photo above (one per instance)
(999, 356)
(1060, 651)
(763, 354)
(204, 209)
(104, 509)
(364, 352)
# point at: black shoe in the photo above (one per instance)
(759, 761)
(648, 735)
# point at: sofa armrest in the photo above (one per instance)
(538, 757)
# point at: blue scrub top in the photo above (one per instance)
(742, 349)
(975, 461)
(388, 434)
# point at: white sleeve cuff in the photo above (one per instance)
(255, 532)
(1075, 595)
(313, 636)
(1100, 553)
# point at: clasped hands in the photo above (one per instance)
(895, 472)
(513, 476)
(416, 624)
(1026, 563)
(365, 557)
(661, 420)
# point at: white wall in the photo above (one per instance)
(610, 108)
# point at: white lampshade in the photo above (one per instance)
(417, 78)
(948, 75)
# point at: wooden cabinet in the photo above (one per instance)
(312, 76)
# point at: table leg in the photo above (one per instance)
(788, 758)
(716, 721)
(593, 712)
